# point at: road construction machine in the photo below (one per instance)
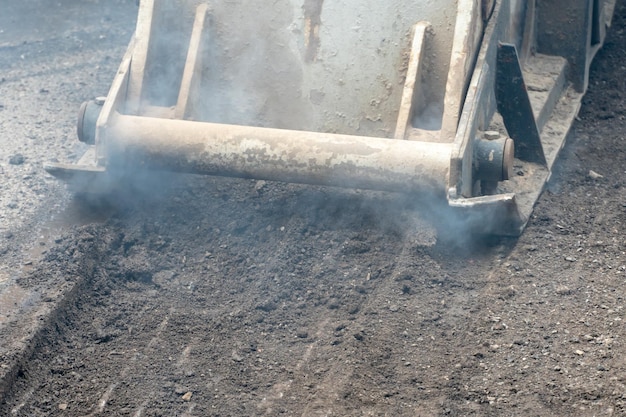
(465, 101)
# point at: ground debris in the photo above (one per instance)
(594, 175)
(563, 290)
(17, 159)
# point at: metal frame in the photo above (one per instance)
(486, 100)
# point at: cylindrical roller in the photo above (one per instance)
(277, 154)
(493, 159)
(87, 118)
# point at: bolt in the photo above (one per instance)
(491, 135)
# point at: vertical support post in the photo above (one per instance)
(413, 81)
(143, 36)
(193, 64)
(468, 34)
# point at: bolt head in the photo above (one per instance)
(491, 135)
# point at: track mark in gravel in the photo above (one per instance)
(143, 406)
(102, 402)
(276, 392)
(184, 357)
(162, 326)
(280, 389)
(106, 397)
(27, 396)
(357, 338)
(189, 410)
(309, 350)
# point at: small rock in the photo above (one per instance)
(302, 334)
(579, 352)
(570, 259)
(258, 187)
(354, 308)
(499, 327)
(180, 390)
(594, 175)
(12, 204)
(63, 406)
(563, 290)
(187, 396)
(17, 159)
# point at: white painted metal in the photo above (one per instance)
(326, 66)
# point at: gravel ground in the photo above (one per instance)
(232, 297)
(61, 55)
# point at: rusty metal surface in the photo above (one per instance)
(279, 154)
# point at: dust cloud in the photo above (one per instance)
(254, 70)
